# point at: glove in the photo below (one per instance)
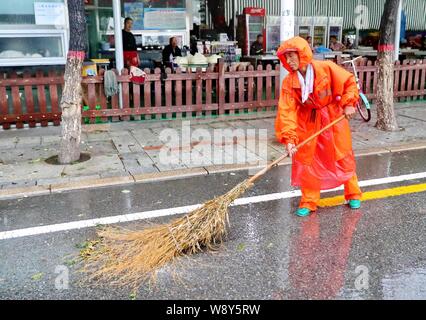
(291, 149)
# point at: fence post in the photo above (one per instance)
(221, 86)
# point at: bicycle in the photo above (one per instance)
(363, 105)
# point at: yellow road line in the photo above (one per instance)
(379, 194)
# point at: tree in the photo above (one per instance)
(72, 96)
(386, 118)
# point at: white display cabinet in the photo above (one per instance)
(304, 27)
(335, 28)
(33, 47)
(273, 25)
(320, 25)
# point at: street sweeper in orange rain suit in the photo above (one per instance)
(313, 94)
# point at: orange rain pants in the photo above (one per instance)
(311, 197)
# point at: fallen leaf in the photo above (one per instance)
(87, 248)
(241, 247)
(37, 276)
(70, 263)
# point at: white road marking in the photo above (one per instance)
(74, 225)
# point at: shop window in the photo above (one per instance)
(31, 47)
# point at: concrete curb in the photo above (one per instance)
(82, 183)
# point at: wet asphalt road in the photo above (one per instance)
(377, 252)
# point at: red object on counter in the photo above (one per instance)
(255, 11)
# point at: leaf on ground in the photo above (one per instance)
(37, 276)
(87, 248)
(82, 245)
(241, 247)
(132, 296)
(70, 263)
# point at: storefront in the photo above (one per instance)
(36, 32)
(33, 33)
(154, 22)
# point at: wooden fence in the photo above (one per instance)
(409, 81)
(33, 99)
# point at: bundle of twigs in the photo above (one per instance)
(128, 257)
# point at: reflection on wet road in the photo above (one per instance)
(375, 252)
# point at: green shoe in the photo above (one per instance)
(354, 204)
(303, 212)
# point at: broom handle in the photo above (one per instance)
(276, 162)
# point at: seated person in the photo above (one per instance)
(256, 48)
(171, 51)
(415, 42)
(336, 45)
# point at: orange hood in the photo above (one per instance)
(299, 45)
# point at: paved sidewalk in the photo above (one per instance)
(128, 152)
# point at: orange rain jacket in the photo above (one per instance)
(296, 122)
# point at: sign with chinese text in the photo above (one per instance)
(49, 13)
(135, 11)
(164, 19)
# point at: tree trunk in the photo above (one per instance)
(71, 96)
(386, 118)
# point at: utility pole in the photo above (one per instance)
(398, 31)
(118, 41)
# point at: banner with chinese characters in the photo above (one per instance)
(49, 13)
(164, 19)
(135, 11)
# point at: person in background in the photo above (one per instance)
(309, 39)
(415, 42)
(130, 51)
(348, 44)
(171, 51)
(256, 48)
(193, 49)
(336, 45)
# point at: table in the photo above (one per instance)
(421, 54)
(193, 67)
(373, 53)
(101, 63)
(364, 53)
(264, 59)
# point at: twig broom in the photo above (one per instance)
(127, 257)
